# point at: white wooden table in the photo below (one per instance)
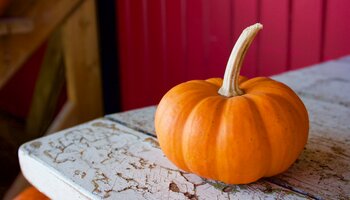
(118, 157)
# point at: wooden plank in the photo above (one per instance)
(135, 62)
(50, 82)
(16, 49)
(244, 14)
(176, 42)
(307, 32)
(142, 62)
(330, 119)
(273, 43)
(218, 39)
(196, 48)
(324, 89)
(141, 119)
(156, 41)
(311, 83)
(15, 26)
(102, 159)
(345, 59)
(337, 28)
(326, 82)
(79, 37)
(322, 169)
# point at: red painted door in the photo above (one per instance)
(166, 42)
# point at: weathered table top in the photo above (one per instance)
(119, 157)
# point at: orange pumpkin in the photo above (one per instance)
(234, 130)
(31, 193)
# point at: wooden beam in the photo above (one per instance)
(47, 90)
(82, 62)
(15, 26)
(80, 45)
(65, 119)
(46, 16)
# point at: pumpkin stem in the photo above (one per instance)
(230, 87)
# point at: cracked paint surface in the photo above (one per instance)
(322, 170)
(111, 161)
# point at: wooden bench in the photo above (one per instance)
(119, 157)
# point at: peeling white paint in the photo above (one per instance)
(105, 159)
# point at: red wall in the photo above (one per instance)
(165, 42)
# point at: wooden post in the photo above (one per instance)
(82, 62)
(46, 17)
(47, 90)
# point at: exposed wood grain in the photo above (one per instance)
(50, 82)
(102, 159)
(79, 37)
(46, 16)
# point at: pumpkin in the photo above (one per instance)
(234, 130)
(31, 193)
